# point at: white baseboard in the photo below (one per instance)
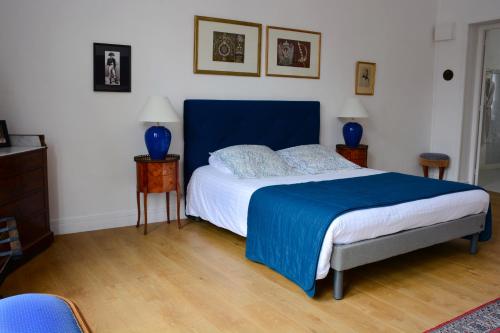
(107, 220)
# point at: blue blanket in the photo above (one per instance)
(287, 223)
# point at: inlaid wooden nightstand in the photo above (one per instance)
(157, 176)
(358, 155)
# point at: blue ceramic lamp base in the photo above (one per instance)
(352, 134)
(157, 141)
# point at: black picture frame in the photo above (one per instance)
(4, 134)
(121, 66)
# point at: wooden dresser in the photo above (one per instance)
(24, 195)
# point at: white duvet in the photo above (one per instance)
(223, 200)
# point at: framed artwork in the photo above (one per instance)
(112, 67)
(365, 78)
(226, 47)
(293, 53)
(4, 134)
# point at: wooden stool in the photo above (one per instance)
(434, 160)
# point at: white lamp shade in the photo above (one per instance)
(353, 109)
(158, 109)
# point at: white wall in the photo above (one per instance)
(448, 106)
(46, 84)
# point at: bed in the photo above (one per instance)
(351, 239)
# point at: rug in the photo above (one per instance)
(483, 319)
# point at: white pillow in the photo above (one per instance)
(219, 165)
(253, 161)
(314, 159)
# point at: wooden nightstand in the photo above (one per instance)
(358, 155)
(157, 176)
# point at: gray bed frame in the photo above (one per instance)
(347, 256)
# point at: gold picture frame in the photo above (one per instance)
(303, 65)
(365, 78)
(226, 47)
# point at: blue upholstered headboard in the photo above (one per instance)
(210, 125)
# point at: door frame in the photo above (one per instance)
(478, 101)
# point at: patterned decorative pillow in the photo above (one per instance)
(219, 165)
(314, 159)
(253, 161)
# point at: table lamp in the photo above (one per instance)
(158, 110)
(353, 131)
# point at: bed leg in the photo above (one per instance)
(338, 284)
(473, 244)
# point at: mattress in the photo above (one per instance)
(223, 199)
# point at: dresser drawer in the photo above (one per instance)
(161, 177)
(25, 207)
(156, 177)
(30, 215)
(361, 162)
(358, 154)
(345, 153)
(31, 228)
(15, 186)
(161, 169)
(18, 164)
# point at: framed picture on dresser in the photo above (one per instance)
(293, 53)
(226, 47)
(4, 134)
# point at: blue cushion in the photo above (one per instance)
(37, 313)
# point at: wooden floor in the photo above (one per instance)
(197, 279)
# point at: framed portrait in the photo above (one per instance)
(112, 67)
(293, 53)
(226, 47)
(365, 78)
(4, 134)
